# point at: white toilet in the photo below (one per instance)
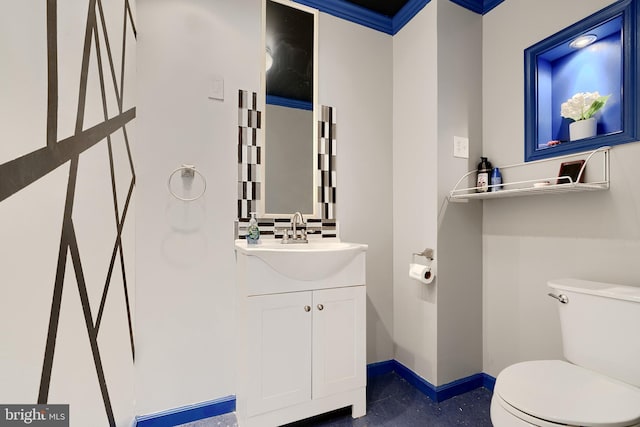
(600, 383)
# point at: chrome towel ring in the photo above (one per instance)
(187, 172)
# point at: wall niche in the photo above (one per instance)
(559, 67)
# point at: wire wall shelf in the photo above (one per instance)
(539, 186)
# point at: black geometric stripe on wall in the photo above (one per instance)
(17, 174)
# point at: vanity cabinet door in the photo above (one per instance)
(339, 340)
(279, 343)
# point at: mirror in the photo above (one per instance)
(289, 80)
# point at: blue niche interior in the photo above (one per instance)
(597, 67)
(554, 72)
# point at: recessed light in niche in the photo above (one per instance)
(583, 41)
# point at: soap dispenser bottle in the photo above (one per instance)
(496, 180)
(253, 231)
(482, 178)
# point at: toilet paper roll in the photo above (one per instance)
(422, 273)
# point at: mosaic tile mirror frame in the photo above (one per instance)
(251, 160)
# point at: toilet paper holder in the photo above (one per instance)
(423, 273)
(427, 253)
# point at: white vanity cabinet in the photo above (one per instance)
(301, 342)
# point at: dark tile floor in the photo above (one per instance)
(393, 402)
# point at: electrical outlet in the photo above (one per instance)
(461, 147)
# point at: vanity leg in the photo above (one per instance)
(359, 407)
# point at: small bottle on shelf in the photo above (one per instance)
(482, 178)
(496, 180)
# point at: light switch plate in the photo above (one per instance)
(217, 88)
(461, 147)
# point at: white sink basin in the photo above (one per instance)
(303, 261)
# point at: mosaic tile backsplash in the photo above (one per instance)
(272, 228)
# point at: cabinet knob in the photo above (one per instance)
(320, 307)
(307, 308)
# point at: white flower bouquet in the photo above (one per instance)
(583, 105)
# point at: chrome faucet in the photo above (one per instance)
(296, 221)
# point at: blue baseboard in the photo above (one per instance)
(417, 381)
(380, 368)
(189, 413)
(435, 393)
(488, 381)
(454, 388)
(199, 411)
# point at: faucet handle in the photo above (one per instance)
(285, 235)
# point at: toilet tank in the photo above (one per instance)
(600, 327)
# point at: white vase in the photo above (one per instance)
(583, 129)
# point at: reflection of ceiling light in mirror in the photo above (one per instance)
(583, 41)
(269, 60)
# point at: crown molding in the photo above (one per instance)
(407, 13)
(489, 5)
(351, 12)
(473, 5)
(478, 6)
(360, 15)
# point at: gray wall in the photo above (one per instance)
(185, 257)
(528, 241)
(437, 95)
(415, 178)
(459, 224)
(356, 78)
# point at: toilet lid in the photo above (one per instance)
(557, 391)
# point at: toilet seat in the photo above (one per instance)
(554, 392)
